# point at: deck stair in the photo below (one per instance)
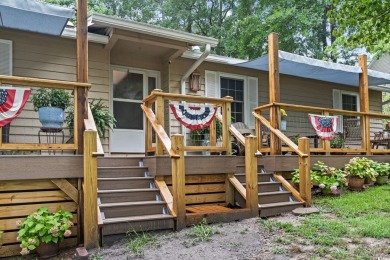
(128, 199)
(273, 198)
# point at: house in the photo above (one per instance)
(127, 60)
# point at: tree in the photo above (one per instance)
(302, 25)
(362, 24)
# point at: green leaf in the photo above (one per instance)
(39, 226)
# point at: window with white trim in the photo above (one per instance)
(345, 100)
(243, 89)
(5, 57)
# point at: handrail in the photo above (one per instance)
(233, 131)
(289, 187)
(321, 109)
(90, 125)
(47, 83)
(279, 134)
(187, 98)
(160, 132)
(238, 186)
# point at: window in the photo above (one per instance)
(5, 57)
(243, 89)
(346, 101)
(234, 88)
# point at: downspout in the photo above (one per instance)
(194, 67)
(187, 74)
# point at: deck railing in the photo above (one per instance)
(359, 132)
(156, 122)
(31, 143)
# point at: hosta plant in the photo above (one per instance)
(383, 169)
(361, 168)
(44, 227)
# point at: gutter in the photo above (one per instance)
(194, 67)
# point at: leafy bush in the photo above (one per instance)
(45, 97)
(44, 227)
(361, 168)
(102, 117)
(326, 177)
(383, 169)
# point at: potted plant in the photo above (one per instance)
(283, 122)
(50, 104)
(383, 170)
(43, 231)
(357, 170)
(102, 117)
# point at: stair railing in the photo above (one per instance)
(157, 120)
(92, 149)
(303, 151)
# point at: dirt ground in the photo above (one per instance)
(246, 239)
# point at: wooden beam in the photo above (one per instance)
(82, 68)
(47, 83)
(304, 170)
(274, 91)
(68, 188)
(159, 108)
(364, 104)
(289, 187)
(91, 229)
(165, 193)
(251, 178)
(238, 186)
(226, 122)
(229, 190)
(178, 181)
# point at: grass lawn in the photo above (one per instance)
(355, 225)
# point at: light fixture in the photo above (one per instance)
(195, 82)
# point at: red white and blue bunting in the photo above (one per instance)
(12, 101)
(194, 117)
(325, 126)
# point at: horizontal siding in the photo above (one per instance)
(52, 58)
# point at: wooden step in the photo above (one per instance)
(130, 209)
(121, 171)
(124, 183)
(274, 196)
(267, 186)
(262, 177)
(113, 226)
(119, 161)
(241, 168)
(273, 209)
(127, 195)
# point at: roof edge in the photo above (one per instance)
(92, 37)
(153, 30)
(188, 54)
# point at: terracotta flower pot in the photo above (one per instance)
(382, 179)
(368, 181)
(356, 183)
(49, 250)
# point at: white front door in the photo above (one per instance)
(129, 87)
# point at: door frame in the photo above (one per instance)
(146, 73)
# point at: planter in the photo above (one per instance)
(51, 117)
(368, 181)
(356, 183)
(283, 125)
(382, 179)
(49, 250)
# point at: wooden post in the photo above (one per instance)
(148, 132)
(274, 91)
(304, 170)
(160, 119)
(326, 143)
(364, 104)
(213, 133)
(82, 68)
(258, 131)
(90, 191)
(178, 181)
(229, 190)
(226, 122)
(251, 178)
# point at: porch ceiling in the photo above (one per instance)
(300, 66)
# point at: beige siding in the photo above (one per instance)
(41, 56)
